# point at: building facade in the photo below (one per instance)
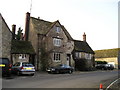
(108, 55)
(6, 38)
(83, 55)
(51, 41)
(22, 51)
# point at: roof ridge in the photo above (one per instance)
(41, 19)
(78, 40)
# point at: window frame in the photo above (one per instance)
(57, 42)
(57, 57)
(58, 29)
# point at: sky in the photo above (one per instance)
(97, 18)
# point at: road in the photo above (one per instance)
(75, 80)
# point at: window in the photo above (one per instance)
(17, 64)
(88, 56)
(58, 29)
(78, 55)
(57, 42)
(22, 56)
(56, 57)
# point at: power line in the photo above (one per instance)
(31, 7)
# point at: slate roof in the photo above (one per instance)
(43, 27)
(22, 47)
(82, 46)
(107, 53)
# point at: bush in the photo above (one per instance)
(100, 62)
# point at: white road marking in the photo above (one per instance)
(112, 83)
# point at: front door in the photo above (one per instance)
(68, 59)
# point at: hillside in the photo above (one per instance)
(106, 53)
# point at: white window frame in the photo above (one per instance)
(20, 56)
(77, 54)
(57, 42)
(58, 29)
(56, 57)
(88, 56)
(80, 55)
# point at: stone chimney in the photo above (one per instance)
(13, 31)
(27, 24)
(84, 37)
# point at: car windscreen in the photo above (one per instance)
(27, 65)
(4, 61)
(63, 66)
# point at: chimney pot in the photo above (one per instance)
(38, 17)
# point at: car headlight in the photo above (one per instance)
(52, 69)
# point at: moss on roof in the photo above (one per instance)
(22, 47)
(82, 46)
(107, 53)
(43, 27)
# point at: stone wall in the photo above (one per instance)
(20, 58)
(0, 36)
(33, 38)
(6, 40)
(65, 48)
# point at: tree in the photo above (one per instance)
(44, 59)
(19, 32)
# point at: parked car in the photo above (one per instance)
(62, 68)
(105, 66)
(23, 68)
(5, 67)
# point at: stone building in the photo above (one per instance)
(21, 51)
(108, 55)
(52, 43)
(83, 55)
(5, 39)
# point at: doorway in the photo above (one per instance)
(68, 59)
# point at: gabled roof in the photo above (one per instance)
(43, 27)
(82, 46)
(3, 20)
(22, 47)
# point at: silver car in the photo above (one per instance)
(23, 68)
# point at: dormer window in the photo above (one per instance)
(58, 29)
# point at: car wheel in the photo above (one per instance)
(70, 71)
(18, 73)
(49, 72)
(32, 74)
(8, 75)
(57, 72)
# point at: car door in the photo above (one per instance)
(16, 67)
(67, 68)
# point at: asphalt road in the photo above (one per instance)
(75, 80)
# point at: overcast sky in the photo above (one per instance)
(97, 18)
